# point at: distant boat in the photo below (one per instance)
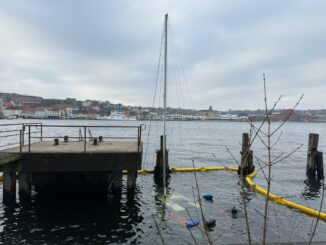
(12, 117)
(118, 115)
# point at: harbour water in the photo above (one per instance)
(128, 217)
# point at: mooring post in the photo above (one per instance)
(131, 178)
(320, 165)
(314, 158)
(158, 170)
(65, 138)
(247, 165)
(24, 184)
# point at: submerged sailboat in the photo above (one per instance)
(162, 167)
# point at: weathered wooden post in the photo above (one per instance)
(158, 170)
(131, 178)
(117, 180)
(9, 183)
(100, 138)
(56, 141)
(246, 167)
(314, 158)
(65, 138)
(94, 141)
(24, 184)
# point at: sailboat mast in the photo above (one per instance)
(164, 99)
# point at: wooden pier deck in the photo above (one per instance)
(72, 164)
(78, 147)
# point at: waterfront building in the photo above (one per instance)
(209, 114)
(12, 112)
(26, 100)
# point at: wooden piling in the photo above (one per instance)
(94, 141)
(158, 170)
(100, 138)
(320, 165)
(131, 179)
(117, 180)
(313, 142)
(314, 158)
(9, 186)
(246, 166)
(56, 141)
(65, 138)
(24, 183)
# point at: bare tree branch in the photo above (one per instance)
(277, 140)
(268, 164)
(158, 230)
(320, 207)
(287, 155)
(288, 116)
(232, 156)
(261, 168)
(201, 208)
(192, 235)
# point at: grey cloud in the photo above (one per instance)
(109, 50)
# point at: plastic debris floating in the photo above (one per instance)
(208, 197)
(191, 224)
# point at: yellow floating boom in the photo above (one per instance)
(275, 198)
(282, 201)
(255, 187)
(184, 170)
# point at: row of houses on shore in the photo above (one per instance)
(31, 108)
(9, 109)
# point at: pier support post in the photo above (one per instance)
(314, 158)
(158, 170)
(9, 186)
(24, 184)
(131, 178)
(247, 165)
(117, 180)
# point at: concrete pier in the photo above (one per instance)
(76, 166)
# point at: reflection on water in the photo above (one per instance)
(127, 217)
(312, 189)
(78, 220)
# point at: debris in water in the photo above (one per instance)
(192, 224)
(208, 197)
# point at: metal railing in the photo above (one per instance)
(9, 132)
(37, 132)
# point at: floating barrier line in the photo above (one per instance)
(275, 198)
(185, 170)
(280, 200)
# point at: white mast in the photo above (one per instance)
(164, 99)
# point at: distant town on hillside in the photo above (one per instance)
(14, 105)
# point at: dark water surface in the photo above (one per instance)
(127, 217)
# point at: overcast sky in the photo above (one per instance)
(108, 50)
